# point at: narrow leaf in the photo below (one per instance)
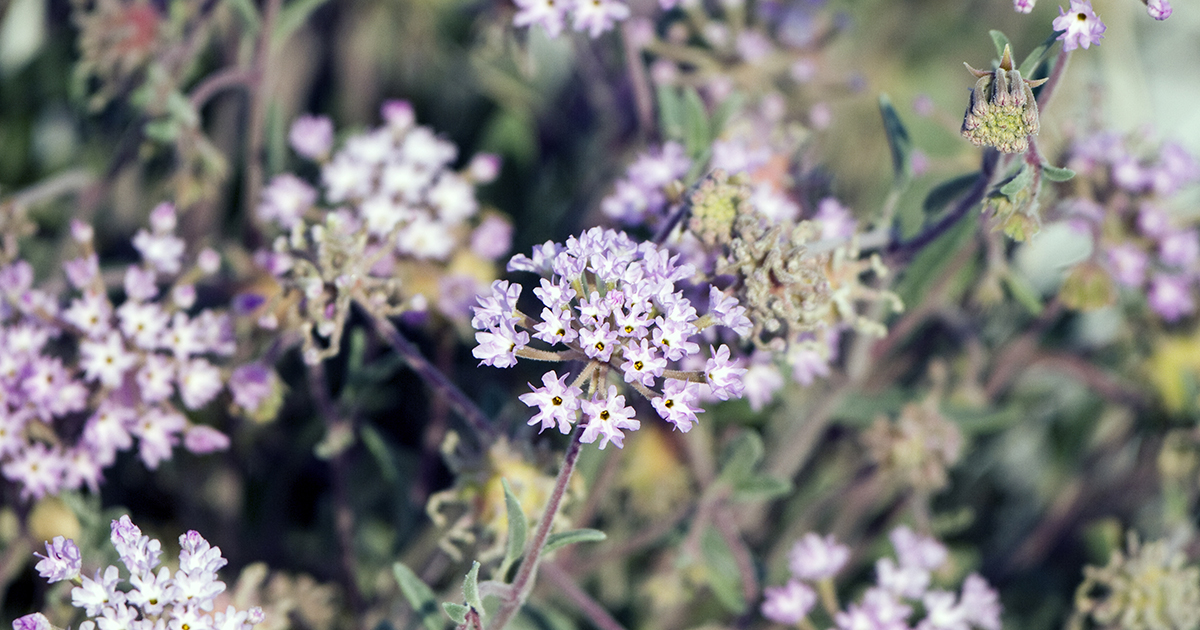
(456, 612)
(1000, 40)
(1019, 182)
(471, 588)
(1037, 56)
(562, 539)
(1023, 292)
(517, 530)
(946, 192)
(380, 452)
(292, 17)
(897, 136)
(722, 571)
(761, 488)
(1056, 174)
(741, 457)
(695, 122)
(419, 596)
(670, 112)
(724, 112)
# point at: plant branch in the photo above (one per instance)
(434, 378)
(523, 583)
(584, 602)
(220, 80)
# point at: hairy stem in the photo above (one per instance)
(523, 583)
(434, 378)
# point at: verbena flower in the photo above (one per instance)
(392, 225)
(613, 304)
(900, 590)
(137, 364)
(1080, 25)
(183, 600)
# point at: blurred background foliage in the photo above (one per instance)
(1054, 472)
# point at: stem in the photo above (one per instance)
(523, 583)
(902, 250)
(1060, 66)
(637, 78)
(434, 378)
(223, 79)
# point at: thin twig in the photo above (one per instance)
(223, 79)
(642, 97)
(523, 582)
(584, 602)
(433, 377)
(258, 104)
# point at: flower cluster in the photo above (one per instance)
(613, 303)
(137, 363)
(184, 600)
(593, 16)
(1002, 112)
(641, 197)
(889, 604)
(1138, 244)
(397, 230)
(1149, 587)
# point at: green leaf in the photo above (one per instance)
(162, 130)
(741, 458)
(1017, 183)
(861, 409)
(1056, 174)
(292, 17)
(380, 451)
(419, 596)
(946, 192)
(517, 529)
(722, 571)
(898, 138)
(471, 588)
(562, 539)
(511, 133)
(670, 112)
(456, 612)
(760, 488)
(724, 112)
(929, 263)
(1000, 40)
(1037, 56)
(1023, 292)
(695, 122)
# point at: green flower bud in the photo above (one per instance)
(1002, 112)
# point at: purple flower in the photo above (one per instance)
(903, 580)
(201, 439)
(606, 417)
(556, 401)
(836, 220)
(723, 375)
(642, 363)
(1159, 9)
(762, 380)
(942, 612)
(914, 550)
(981, 603)
(549, 14)
(726, 310)
(677, 404)
(1128, 265)
(598, 16)
(598, 343)
(94, 595)
(285, 200)
(35, 621)
(816, 558)
(493, 238)
(61, 562)
(498, 347)
(139, 553)
(1170, 296)
(250, 385)
(788, 604)
(1081, 26)
(1024, 6)
(1180, 249)
(312, 136)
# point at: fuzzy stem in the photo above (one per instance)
(523, 583)
(433, 377)
(584, 602)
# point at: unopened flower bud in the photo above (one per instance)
(1002, 112)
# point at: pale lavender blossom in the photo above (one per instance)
(34, 621)
(1171, 296)
(1081, 26)
(1159, 9)
(836, 220)
(312, 136)
(677, 404)
(1128, 265)
(61, 562)
(1023, 6)
(1180, 248)
(557, 403)
(817, 558)
(606, 417)
(788, 604)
